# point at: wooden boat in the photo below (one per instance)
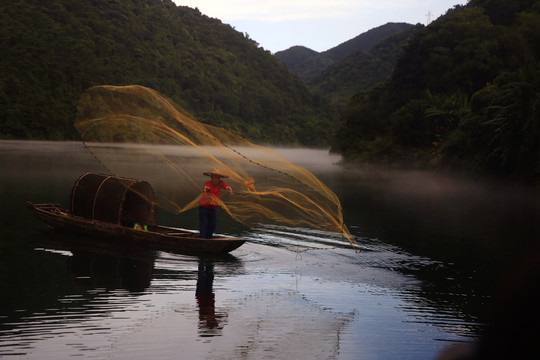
(122, 209)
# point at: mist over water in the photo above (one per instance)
(433, 250)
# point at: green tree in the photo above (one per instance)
(464, 95)
(54, 50)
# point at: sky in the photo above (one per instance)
(316, 24)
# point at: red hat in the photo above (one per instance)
(215, 172)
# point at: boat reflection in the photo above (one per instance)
(96, 270)
(96, 263)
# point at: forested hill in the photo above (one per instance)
(361, 70)
(465, 95)
(53, 50)
(308, 64)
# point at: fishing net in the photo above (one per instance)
(137, 132)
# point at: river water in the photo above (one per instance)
(433, 251)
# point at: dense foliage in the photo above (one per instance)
(464, 95)
(361, 70)
(308, 64)
(52, 50)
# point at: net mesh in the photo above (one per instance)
(137, 132)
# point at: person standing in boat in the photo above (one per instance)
(209, 202)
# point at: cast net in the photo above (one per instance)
(166, 146)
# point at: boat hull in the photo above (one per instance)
(157, 237)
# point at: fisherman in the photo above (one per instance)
(209, 202)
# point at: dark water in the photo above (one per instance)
(433, 252)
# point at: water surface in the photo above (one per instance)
(433, 249)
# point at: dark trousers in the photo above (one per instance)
(207, 222)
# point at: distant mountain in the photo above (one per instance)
(366, 41)
(361, 70)
(54, 50)
(308, 64)
(295, 55)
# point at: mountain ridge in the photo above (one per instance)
(361, 70)
(307, 64)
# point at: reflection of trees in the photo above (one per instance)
(209, 321)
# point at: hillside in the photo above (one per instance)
(464, 95)
(308, 64)
(53, 50)
(361, 70)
